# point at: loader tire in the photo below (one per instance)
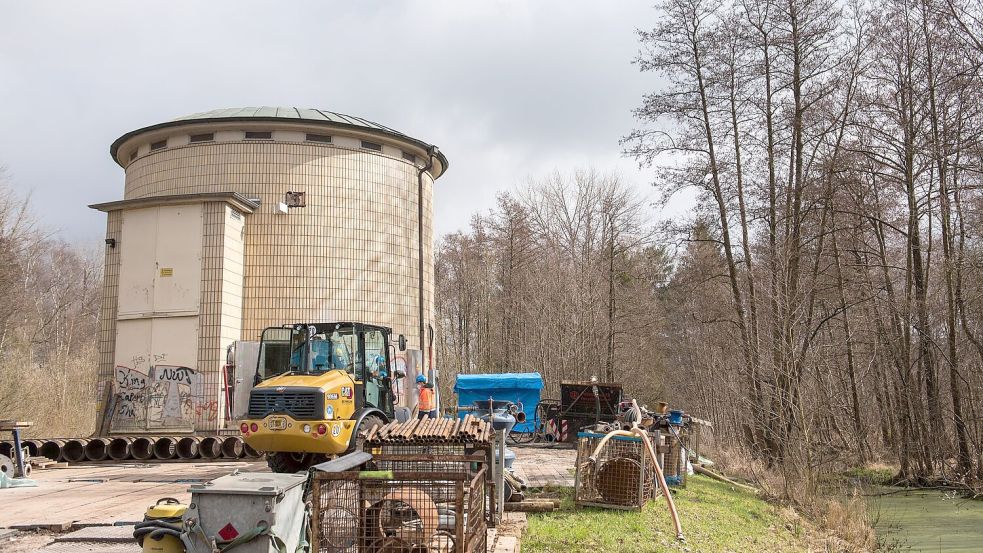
(289, 463)
(368, 423)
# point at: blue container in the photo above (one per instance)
(676, 418)
(674, 481)
(515, 387)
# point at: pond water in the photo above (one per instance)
(926, 520)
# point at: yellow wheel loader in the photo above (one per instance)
(318, 389)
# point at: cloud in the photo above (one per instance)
(508, 89)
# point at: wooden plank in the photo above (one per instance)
(7, 425)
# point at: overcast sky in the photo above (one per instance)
(509, 90)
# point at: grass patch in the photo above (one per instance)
(715, 517)
(872, 475)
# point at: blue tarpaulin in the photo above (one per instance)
(516, 387)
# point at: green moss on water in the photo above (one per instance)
(715, 518)
(926, 520)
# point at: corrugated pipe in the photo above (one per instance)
(210, 447)
(187, 448)
(165, 448)
(142, 448)
(97, 449)
(74, 450)
(232, 448)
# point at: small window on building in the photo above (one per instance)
(207, 137)
(409, 157)
(259, 135)
(133, 155)
(159, 145)
(371, 146)
(318, 138)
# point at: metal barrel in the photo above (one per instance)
(52, 449)
(165, 448)
(74, 450)
(97, 449)
(250, 451)
(142, 448)
(33, 446)
(119, 449)
(187, 448)
(210, 447)
(232, 447)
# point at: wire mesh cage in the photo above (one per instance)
(399, 512)
(674, 460)
(622, 475)
(437, 458)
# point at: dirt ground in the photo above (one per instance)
(104, 494)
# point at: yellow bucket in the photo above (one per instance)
(166, 510)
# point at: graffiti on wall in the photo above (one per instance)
(159, 395)
(131, 386)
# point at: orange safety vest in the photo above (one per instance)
(426, 399)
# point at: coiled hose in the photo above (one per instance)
(157, 528)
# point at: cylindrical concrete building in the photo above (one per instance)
(239, 219)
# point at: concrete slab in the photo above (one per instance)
(102, 494)
(122, 534)
(545, 466)
(91, 547)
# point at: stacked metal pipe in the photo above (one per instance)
(430, 431)
(138, 448)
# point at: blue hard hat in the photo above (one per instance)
(421, 378)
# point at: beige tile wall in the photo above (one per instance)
(350, 255)
(107, 312)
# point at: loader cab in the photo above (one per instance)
(362, 351)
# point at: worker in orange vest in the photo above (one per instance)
(426, 404)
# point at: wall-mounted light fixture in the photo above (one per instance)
(295, 199)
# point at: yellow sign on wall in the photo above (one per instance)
(166, 271)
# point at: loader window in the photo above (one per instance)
(377, 393)
(331, 351)
(274, 353)
(295, 350)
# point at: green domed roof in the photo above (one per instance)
(267, 113)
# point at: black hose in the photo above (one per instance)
(157, 529)
(162, 523)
